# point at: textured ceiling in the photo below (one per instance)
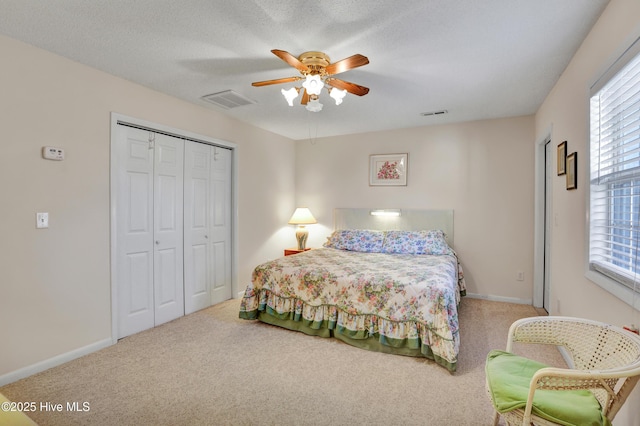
(476, 59)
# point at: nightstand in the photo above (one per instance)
(290, 251)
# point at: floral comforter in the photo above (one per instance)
(400, 300)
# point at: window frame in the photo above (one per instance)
(628, 294)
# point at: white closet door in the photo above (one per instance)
(221, 224)
(173, 228)
(207, 203)
(134, 231)
(197, 219)
(168, 224)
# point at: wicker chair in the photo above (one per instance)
(605, 358)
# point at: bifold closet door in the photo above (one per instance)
(197, 219)
(168, 273)
(207, 225)
(149, 233)
(221, 225)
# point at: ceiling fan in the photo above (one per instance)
(317, 70)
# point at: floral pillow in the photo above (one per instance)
(363, 240)
(416, 242)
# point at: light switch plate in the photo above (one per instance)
(42, 220)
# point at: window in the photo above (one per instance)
(614, 194)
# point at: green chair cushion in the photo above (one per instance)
(508, 378)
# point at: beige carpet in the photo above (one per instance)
(211, 368)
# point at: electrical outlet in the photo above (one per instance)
(520, 276)
(52, 153)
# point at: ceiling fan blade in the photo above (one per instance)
(347, 64)
(353, 88)
(305, 97)
(276, 81)
(290, 59)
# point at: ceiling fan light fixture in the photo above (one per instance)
(337, 94)
(317, 73)
(290, 94)
(314, 105)
(313, 84)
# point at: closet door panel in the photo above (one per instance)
(139, 195)
(134, 231)
(168, 232)
(221, 224)
(138, 294)
(221, 260)
(200, 256)
(166, 285)
(197, 222)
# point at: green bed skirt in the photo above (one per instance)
(360, 339)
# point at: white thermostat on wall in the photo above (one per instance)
(52, 153)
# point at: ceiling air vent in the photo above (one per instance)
(427, 114)
(228, 99)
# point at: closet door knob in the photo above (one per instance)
(206, 236)
(157, 242)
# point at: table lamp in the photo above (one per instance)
(301, 217)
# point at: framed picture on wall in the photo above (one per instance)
(562, 158)
(388, 169)
(572, 170)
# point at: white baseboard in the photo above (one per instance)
(500, 298)
(21, 373)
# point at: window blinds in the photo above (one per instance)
(614, 237)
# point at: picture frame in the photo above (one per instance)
(562, 158)
(572, 171)
(388, 169)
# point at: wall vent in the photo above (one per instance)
(427, 114)
(228, 99)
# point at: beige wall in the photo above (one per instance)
(482, 170)
(55, 283)
(566, 110)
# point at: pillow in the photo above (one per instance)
(416, 242)
(363, 240)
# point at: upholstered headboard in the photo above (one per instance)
(409, 220)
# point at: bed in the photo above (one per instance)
(386, 284)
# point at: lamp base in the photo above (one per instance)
(301, 235)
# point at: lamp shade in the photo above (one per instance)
(337, 95)
(314, 105)
(313, 84)
(290, 95)
(302, 216)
